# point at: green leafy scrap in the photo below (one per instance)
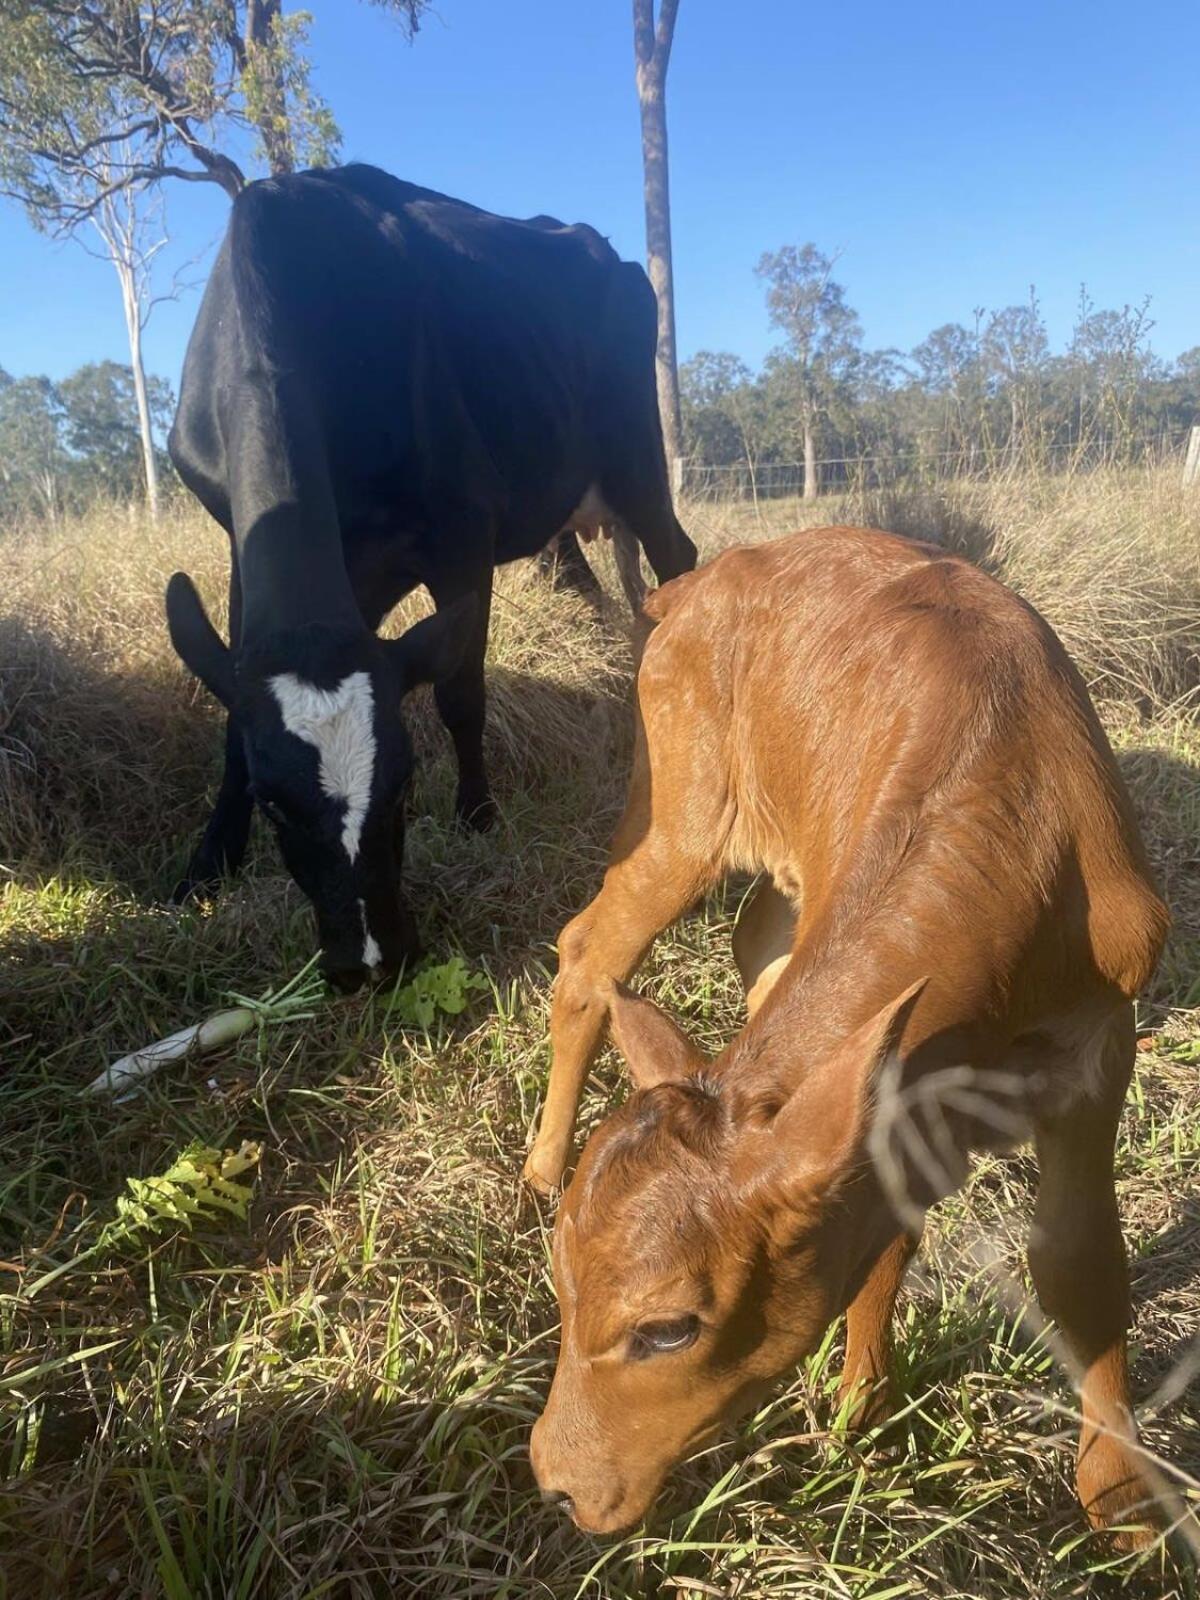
(198, 1184)
(445, 989)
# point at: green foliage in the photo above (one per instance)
(295, 126)
(990, 393)
(65, 445)
(96, 93)
(200, 1185)
(33, 457)
(101, 426)
(445, 988)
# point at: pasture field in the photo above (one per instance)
(332, 1396)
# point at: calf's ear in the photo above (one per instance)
(821, 1132)
(431, 649)
(656, 1049)
(197, 643)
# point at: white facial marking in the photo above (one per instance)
(372, 954)
(338, 723)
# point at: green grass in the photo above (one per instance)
(334, 1396)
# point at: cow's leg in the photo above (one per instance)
(223, 844)
(461, 698)
(628, 558)
(565, 565)
(867, 1373)
(1077, 1257)
(642, 502)
(657, 870)
(633, 479)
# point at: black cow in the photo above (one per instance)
(385, 388)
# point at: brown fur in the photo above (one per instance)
(956, 916)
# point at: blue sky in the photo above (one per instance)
(953, 154)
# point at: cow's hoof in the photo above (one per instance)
(190, 889)
(477, 812)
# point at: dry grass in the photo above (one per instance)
(334, 1399)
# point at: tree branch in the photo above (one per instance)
(664, 35)
(643, 33)
(651, 43)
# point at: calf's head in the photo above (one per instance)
(329, 761)
(700, 1252)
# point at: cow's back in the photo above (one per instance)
(446, 353)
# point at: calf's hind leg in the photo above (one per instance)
(1077, 1257)
(762, 941)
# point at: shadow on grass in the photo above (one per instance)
(101, 770)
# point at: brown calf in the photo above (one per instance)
(956, 918)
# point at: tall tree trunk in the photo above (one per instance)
(267, 94)
(812, 485)
(133, 326)
(652, 53)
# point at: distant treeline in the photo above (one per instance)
(64, 445)
(968, 398)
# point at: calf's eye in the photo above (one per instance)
(661, 1338)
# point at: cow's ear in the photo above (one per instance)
(821, 1133)
(656, 1049)
(197, 643)
(431, 649)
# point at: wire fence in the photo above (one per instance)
(881, 469)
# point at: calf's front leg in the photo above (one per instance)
(867, 1374)
(651, 882)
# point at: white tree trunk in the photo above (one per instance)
(133, 325)
(812, 484)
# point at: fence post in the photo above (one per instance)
(1191, 466)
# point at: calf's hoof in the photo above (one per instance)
(543, 1172)
(864, 1404)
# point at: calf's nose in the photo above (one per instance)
(559, 1498)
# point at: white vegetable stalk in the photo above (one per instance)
(292, 1003)
(201, 1037)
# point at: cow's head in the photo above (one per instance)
(700, 1252)
(329, 760)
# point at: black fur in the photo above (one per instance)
(387, 388)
